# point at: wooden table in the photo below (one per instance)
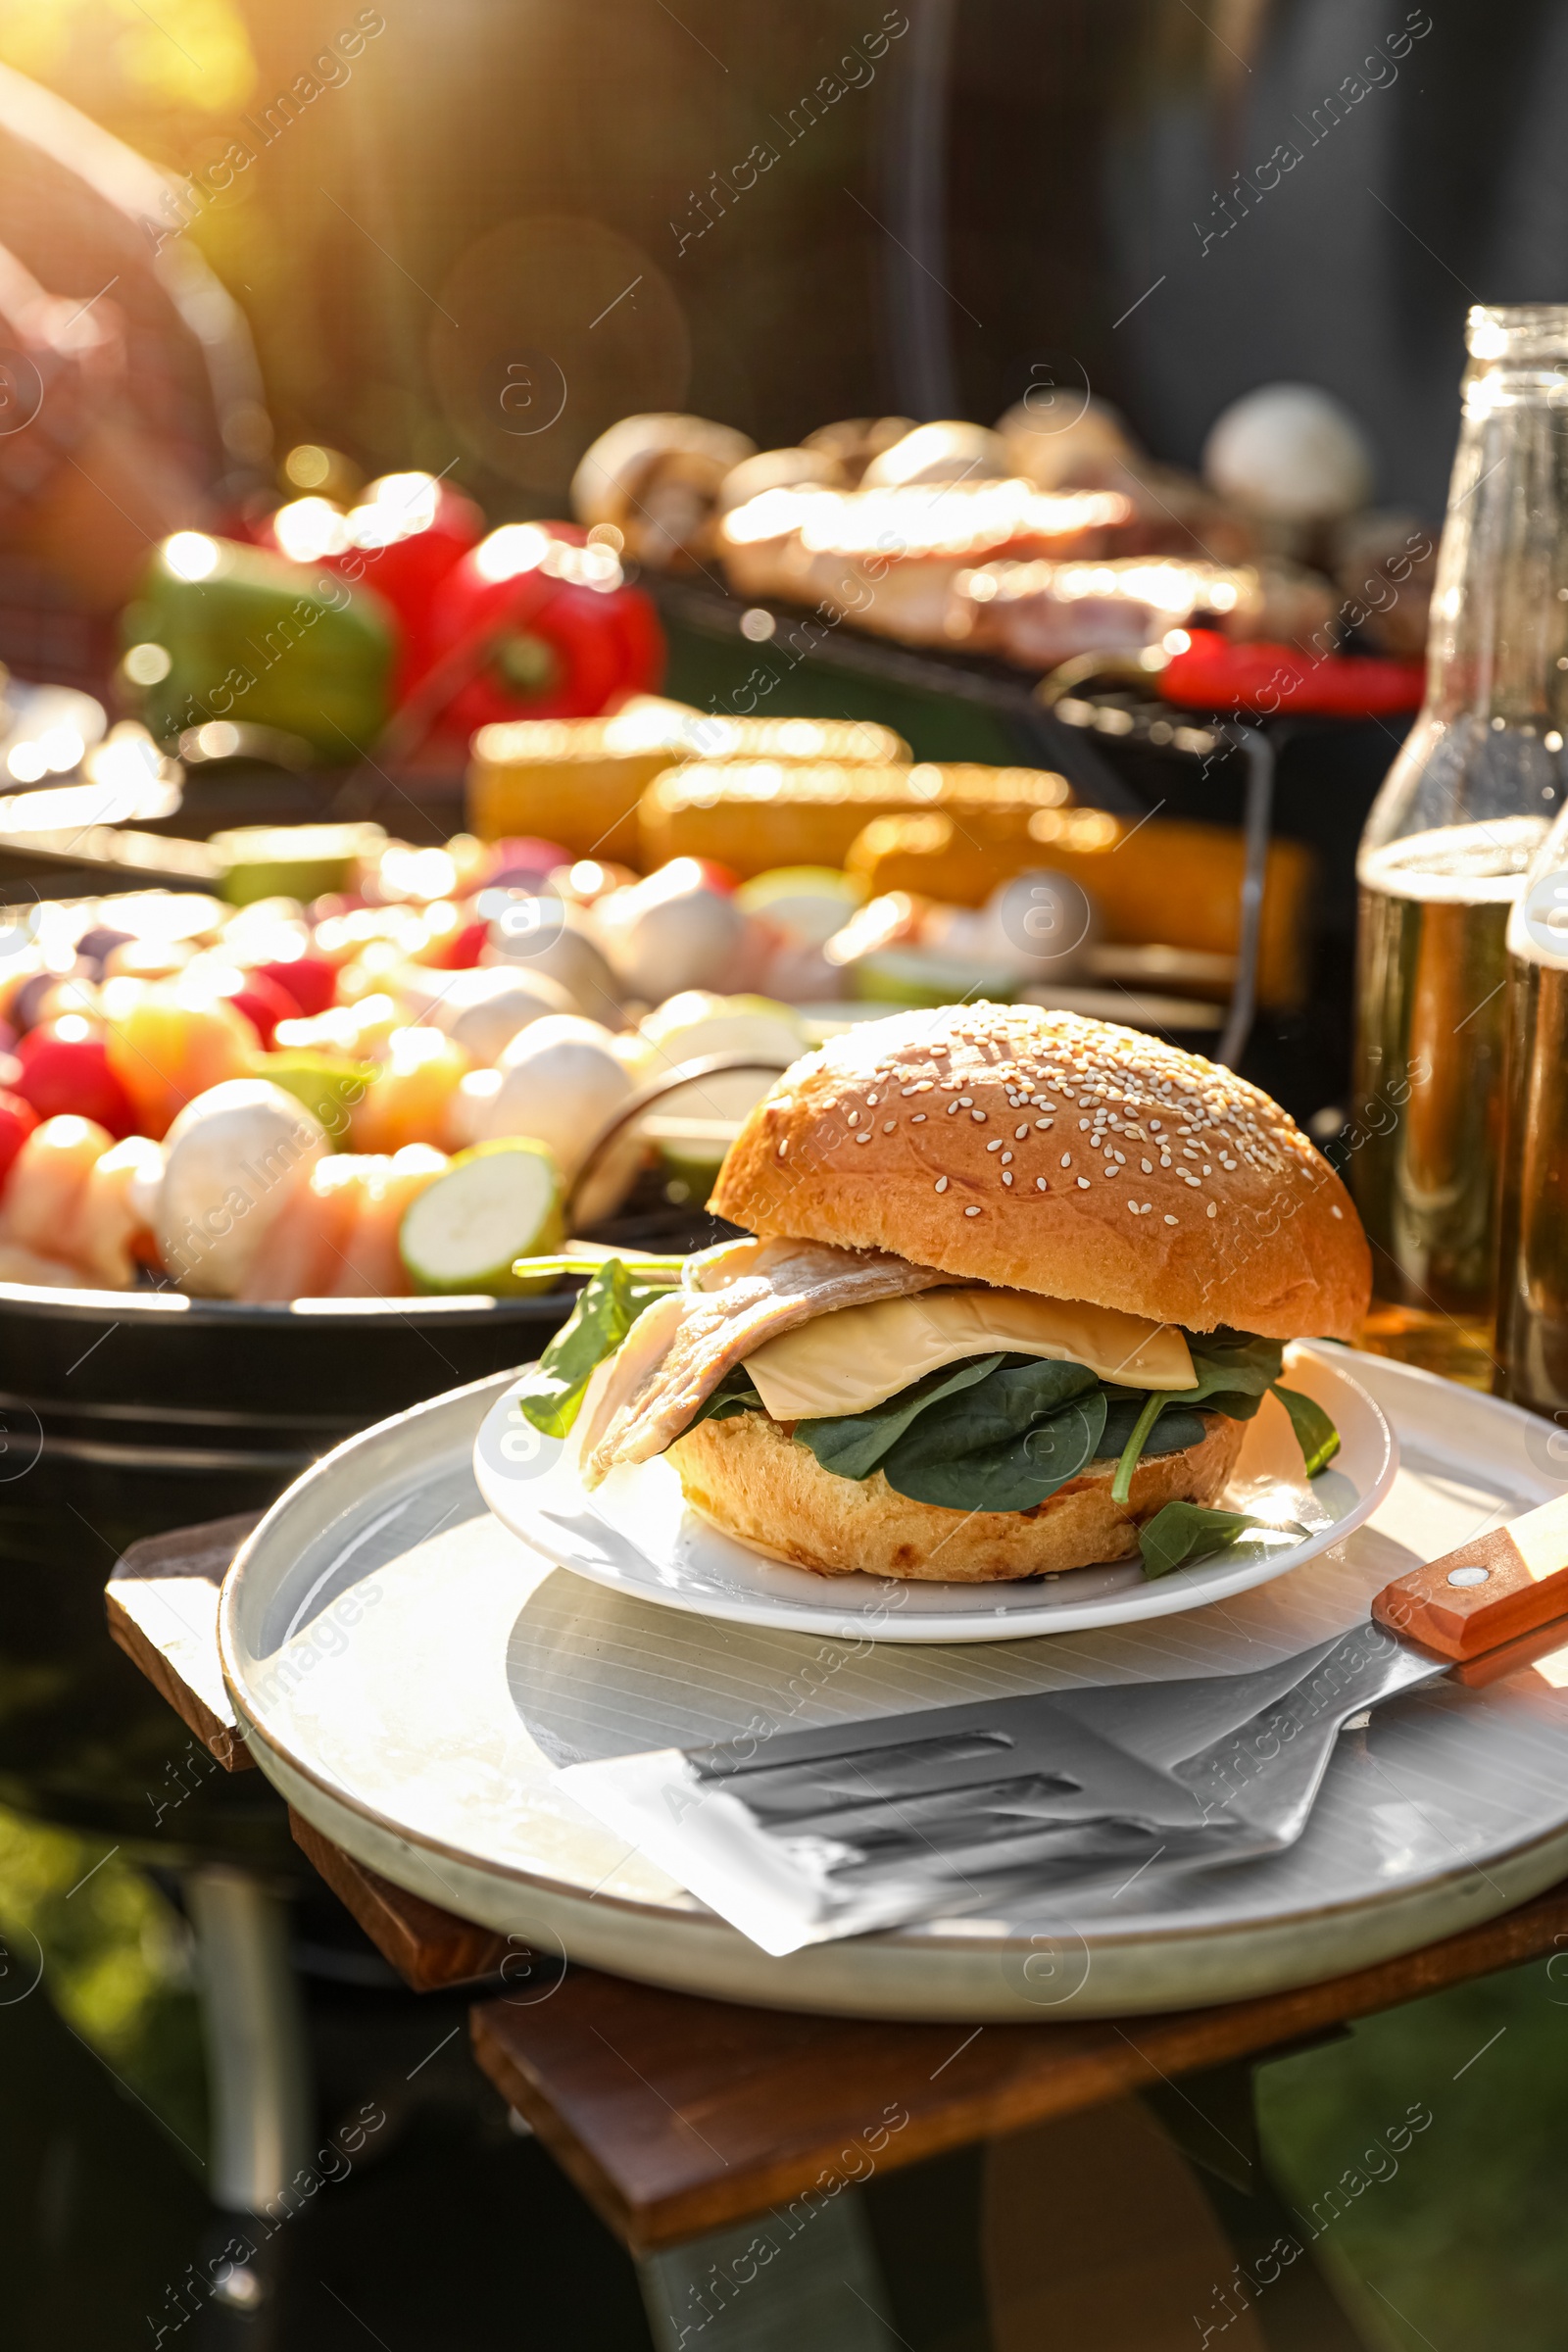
(678, 2116)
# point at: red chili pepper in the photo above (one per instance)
(1272, 680)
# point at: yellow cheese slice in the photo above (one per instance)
(860, 1355)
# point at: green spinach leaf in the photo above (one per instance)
(1184, 1532)
(1231, 1367)
(1014, 1471)
(608, 1305)
(1234, 1373)
(851, 1444)
(1176, 1429)
(1137, 1438)
(1021, 1391)
(733, 1394)
(1315, 1433)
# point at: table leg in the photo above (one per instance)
(258, 2070)
(806, 2275)
(1275, 2279)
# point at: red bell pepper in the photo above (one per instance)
(535, 624)
(1266, 680)
(401, 539)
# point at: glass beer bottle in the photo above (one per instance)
(1532, 1342)
(1466, 804)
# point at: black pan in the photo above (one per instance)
(127, 1413)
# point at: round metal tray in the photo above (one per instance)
(411, 1673)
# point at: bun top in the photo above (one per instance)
(1042, 1152)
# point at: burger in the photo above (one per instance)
(1011, 1286)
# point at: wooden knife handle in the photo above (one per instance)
(1491, 1590)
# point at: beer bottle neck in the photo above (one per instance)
(1498, 647)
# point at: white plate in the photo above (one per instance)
(411, 1675)
(636, 1535)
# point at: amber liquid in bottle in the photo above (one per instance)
(1465, 808)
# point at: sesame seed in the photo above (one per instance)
(942, 1184)
(1148, 1206)
(1005, 1156)
(919, 1120)
(1170, 1220)
(1133, 1205)
(907, 1090)
(1083, 1123)
(1214, 1209)
(863, 1139)
(966, 1102)
(1337, 1211)
(1007, 1175)
(854, 1117)
(871, 1101)
(1041, 1186)
(995, 1144)
(784, 1144)
(1019, 1133)
(1044, 1125)
(1066, 1160)
(978, 1114)
(1147, 1167)
(1083, 1183)
(971, 1212)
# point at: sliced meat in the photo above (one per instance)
(767, 1287)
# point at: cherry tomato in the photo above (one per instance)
(264, 1002)
(310, 982)
(18, 1120)
(66, 1073)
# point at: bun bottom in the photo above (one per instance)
(749, 1479)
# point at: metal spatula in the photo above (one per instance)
(815, 1835)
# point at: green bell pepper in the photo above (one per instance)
(226, 631)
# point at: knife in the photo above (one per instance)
(813, 1835)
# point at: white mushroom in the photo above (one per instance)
(560, 1080)
(672, 932)
(655, 480)
(548, 935)
(1060, 441)
(235, 1158)
(1289, 452)
(484, 1009)
(950, 452)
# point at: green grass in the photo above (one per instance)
(115, 1964)
(1462, 2246)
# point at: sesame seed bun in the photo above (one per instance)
(1042, 1152)
(749, 1477)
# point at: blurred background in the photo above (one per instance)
(422, 215)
